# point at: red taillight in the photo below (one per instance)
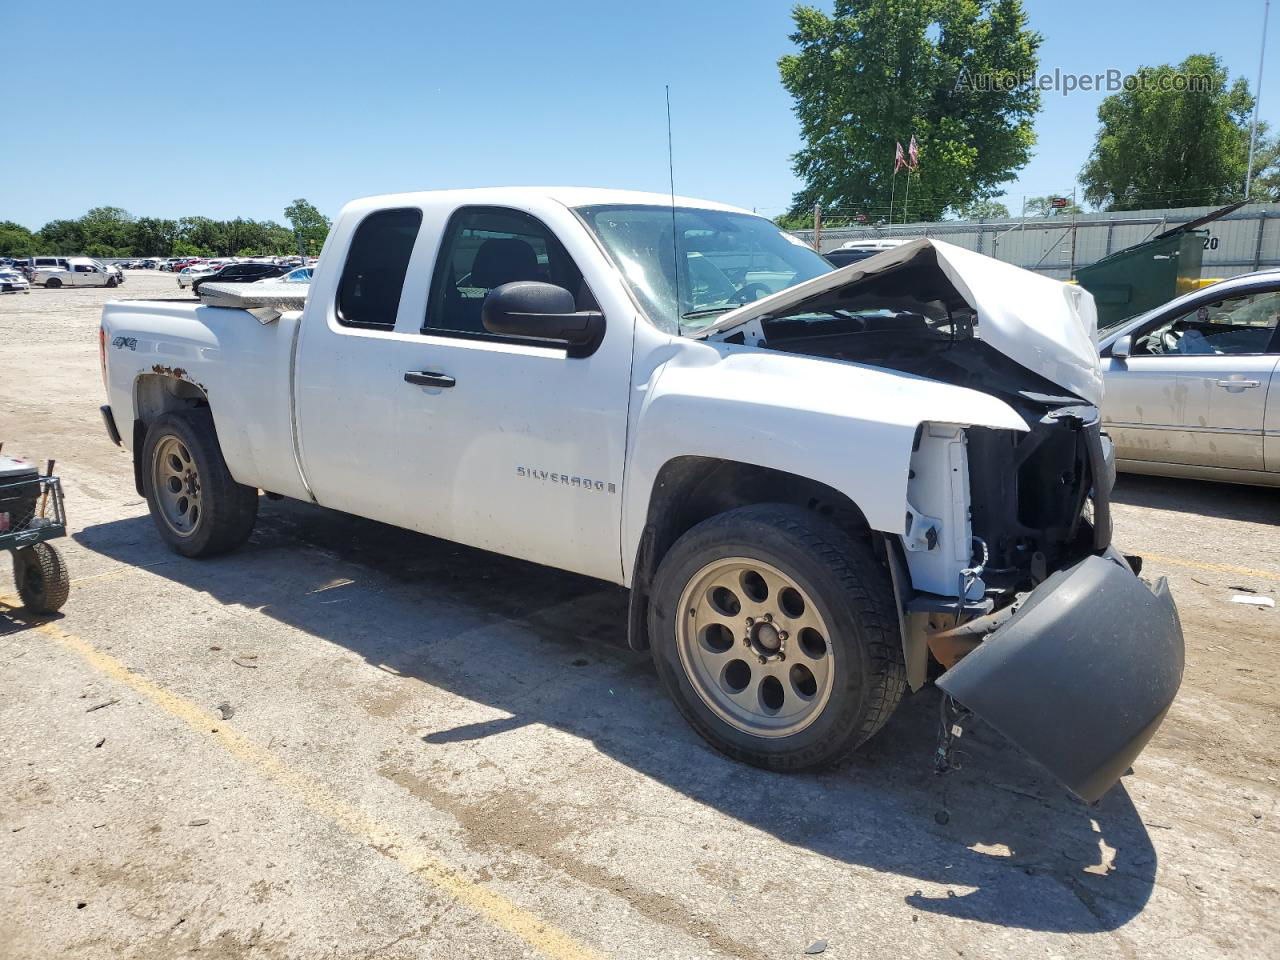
(102, 354)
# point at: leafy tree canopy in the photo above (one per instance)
(1043, 207)
(309, 224)
(876, 72)
(113, 232)
(981, 210)
(1178, 137)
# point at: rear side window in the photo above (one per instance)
(369, 291)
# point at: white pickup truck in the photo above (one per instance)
(820, 485)
(77, 272)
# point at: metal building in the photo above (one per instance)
(1248, 239)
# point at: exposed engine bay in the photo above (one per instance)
(1039, 500)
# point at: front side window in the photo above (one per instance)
(485, 247)
(1239, 325)
(686, 266)
(373, 276)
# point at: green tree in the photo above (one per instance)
(16, 240)
(1266, 168)
(1178, 137)
(309, 224)
(152, 237)
(65, 237)
(981, 210)
(108, 231)
(876, 72)
(203, 233)
(1043, 207)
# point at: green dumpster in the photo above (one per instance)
(1144, 276)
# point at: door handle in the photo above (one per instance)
(425, 378)
(1239, 384)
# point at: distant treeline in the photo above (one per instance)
(113, 232)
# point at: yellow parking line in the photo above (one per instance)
(418, 861)
(1213, 567)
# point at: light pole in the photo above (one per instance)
(1257, 99)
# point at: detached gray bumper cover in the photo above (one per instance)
(1082, 675)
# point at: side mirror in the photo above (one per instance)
(530, 308)
(1121, 349)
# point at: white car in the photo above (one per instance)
(811, 486)
(78, 272)
(11, 281)
(187, 274)
(1193, 386)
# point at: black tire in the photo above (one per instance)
(42, 578)
(228, 509)
(850, 589)
(53, 283)
(112, 282)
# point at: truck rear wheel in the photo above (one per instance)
(776, 636)
(53, 283)
(195, 503)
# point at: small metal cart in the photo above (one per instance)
(31, 514)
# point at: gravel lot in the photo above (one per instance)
(432, 751)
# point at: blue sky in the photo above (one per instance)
(235, 108)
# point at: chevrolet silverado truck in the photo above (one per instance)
(822, 486)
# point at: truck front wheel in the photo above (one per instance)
(197, 506)
(776, 636)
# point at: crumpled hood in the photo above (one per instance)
(1044, 325)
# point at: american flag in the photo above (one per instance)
(913, 153)
(899, 161)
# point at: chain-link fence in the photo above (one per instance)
(1247, 239)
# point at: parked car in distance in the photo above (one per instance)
(188, 275)
(296, 275)
(239, 273)
(1193, 386)
(852, 251)
(11, 281)
(840, 257)
(810, 489)
(78, 272)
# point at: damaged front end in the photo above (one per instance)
(1006, 574)
(1078, 673)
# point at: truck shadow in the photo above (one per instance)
(996, 841)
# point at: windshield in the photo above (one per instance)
(726, 260)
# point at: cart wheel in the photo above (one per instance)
(43, 581)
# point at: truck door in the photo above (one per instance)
(410, 412)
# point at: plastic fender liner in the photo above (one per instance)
(1082, 675)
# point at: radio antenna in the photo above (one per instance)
(671, 176)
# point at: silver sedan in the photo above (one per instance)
(1192, 387)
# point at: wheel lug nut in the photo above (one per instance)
(764, 659)
(768, 618)
(750, 621)
(782, 654)
(782, 635)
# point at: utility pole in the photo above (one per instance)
(1072, 274)
(817, 227)
(1257, 99)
